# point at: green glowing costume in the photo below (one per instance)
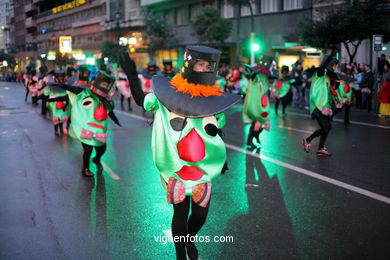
(256, 104)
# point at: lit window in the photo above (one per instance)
(228, 10)
(268, 6)
(292, 4)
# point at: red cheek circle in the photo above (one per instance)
(59, 104)
(347, 88)
(100, 113)
(264, 114)
(344, 96)
(279, 84)
(264, 100)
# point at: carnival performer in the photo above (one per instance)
(344, 93)
(59, 110)
(168, 70)
(122, 84)
(186, 143)
(146, 76)
(26, 80)
(256, 104)
(282, 90)
(90, 107)
(323, 100)
(33, 87)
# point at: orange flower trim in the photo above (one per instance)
(195, 90)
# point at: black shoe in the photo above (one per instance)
(86, 172)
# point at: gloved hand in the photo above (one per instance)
(320, 72)
(128, 65)
(326, 111)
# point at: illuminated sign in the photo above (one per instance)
(65, 44)
(69, 5)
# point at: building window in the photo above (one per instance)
(228, 10)
(170, 17)
(268, 6)
(180, 15)
(245, 10)
(292, 4)
(195, 9)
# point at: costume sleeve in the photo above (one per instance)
(130, 69)
(71, 88)
(61, 98)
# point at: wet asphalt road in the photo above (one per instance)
(285, 205)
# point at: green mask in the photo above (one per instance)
(256, 104)
(58, 109)
(188, 149)
(344, 92)
(281, 88)
(89, 118)
(320, 95)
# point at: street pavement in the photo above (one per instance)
(280, 204)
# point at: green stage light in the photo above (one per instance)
(255, 47)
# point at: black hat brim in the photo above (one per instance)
(187, 106)
(55, 87)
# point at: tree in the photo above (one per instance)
(9, 58)
(157, 31)
(112, 50)
(209, 26)
(348, 25)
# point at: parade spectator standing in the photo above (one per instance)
(382, 61)
(358, 76)
(384, 97)
(366, 87)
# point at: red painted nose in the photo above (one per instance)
(100, 113)
(191, 148)
(60, 104)
(264, 100)
(347, 88)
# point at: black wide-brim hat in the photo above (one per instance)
(187, 106)
(55, 87)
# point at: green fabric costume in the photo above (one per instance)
(87, 108)
(281, 88)
(256, 104)
(344, 92)
(166, 148)
(57, 109)
(320, 94)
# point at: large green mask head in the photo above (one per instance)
(89, 118)
(188, 149)
(344, 92)
(256, 105)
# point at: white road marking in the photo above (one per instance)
(342, 121)
(314, 175)
(110, 172)
(298, 169)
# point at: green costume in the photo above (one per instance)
(344, 92)
(89, 117)
(256, 104)
(320, 94)
(58, 109)
(282, 87)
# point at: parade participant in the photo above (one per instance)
(26, 80)
(33, 87)
(122, 84)
(59, 110)
(90, 107)
(146, 76)
(168, 71)
(344, 94)
(187, 148)
(323, 99)
(281, 90)
(256, 104)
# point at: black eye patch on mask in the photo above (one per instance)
(178, 123)
(211, 129)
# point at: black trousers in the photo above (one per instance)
(88, 151)
(325, 127)
(182, 225)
